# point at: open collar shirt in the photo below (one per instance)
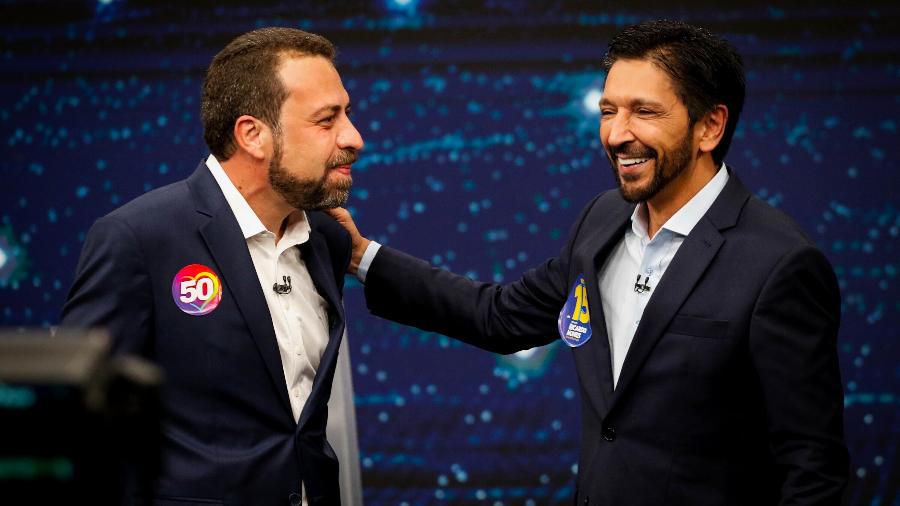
(637, 263)
(299, 317)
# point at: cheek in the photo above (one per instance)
(308, 150)
(604, 136)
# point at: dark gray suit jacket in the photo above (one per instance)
(730, 393)
(229, 436)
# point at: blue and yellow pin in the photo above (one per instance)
(574, 321)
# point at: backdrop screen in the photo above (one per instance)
(480, 121)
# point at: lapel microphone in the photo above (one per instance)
(638, 287)
(286, 287)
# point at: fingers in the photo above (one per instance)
(343, 217)
(340, 214)
(359, 243)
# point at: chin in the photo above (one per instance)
(633, 191)
(634, 184)
(338, 179)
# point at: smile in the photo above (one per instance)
(630, 162)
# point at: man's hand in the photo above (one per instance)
(360, 243)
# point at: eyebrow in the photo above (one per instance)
(330, 109)
(634, 103)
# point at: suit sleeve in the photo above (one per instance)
(499, 318)
(112, 288)
(793, 342)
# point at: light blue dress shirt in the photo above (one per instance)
(631, 273)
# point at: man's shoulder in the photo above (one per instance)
(163, 207)
(753, 225)
(771, 226)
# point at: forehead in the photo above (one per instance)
(311, 80)
(638, 80)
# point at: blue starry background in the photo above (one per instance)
(480, 123)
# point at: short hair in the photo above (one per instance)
(705, 69)
(242, 79)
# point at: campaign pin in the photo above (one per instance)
(196, 290)
(574, 321)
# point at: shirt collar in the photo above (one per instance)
(297, 230)
(685, 219)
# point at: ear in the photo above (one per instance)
(710, 129)
(253, 137)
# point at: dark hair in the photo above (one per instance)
(242, 79)
(705, 69)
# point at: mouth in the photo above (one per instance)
(631, 165)
(343, 169)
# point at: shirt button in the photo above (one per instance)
(649, 270)
(637, 322)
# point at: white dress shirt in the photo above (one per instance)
(637, 255)
(300, 317)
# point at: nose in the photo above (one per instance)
(617, 128)
(349, 137)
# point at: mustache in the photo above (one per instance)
(632, 150)
(344, 157)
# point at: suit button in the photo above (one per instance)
(294, 499)
(609, 433)
(587, 501)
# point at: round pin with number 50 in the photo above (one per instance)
(196, 290)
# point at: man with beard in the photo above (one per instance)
(703, 323)
(231, 281)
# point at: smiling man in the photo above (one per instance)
(702, 322)
(231, 281)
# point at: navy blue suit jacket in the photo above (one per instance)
(730, 393)
(229, 435)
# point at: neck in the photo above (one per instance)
(251, 180)
(677, 193)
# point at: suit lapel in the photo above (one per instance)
(594, 364)
(693, 258)
(227, 245)
(318, 262)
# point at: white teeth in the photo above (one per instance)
(627, 162)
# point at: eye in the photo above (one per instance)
(607, 112)
(326, 121)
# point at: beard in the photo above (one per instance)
(311, 194)
(665, 170)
